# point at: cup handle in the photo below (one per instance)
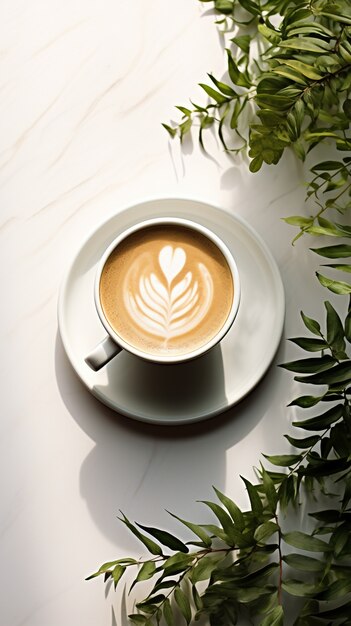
(102, 353)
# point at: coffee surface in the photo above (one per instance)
(166, 290)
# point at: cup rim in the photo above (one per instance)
(179, 358)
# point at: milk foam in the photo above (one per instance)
(166, 289)
(170, 306)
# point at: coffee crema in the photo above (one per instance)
(166, 290)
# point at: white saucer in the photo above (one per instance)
(199, 389)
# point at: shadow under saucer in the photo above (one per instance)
(172, 392)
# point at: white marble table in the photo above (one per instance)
(85, 86)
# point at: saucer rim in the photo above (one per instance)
(143, 204)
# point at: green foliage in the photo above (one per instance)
(246, 561)
(294, 93)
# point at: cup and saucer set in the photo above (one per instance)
(171, 311)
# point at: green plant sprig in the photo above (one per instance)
(296, 96)
(244, 560)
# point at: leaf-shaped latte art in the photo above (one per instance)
(171, 262)
(169, 308)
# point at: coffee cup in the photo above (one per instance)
(167, 290)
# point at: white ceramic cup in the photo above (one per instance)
(113, 343)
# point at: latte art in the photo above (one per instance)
(166, 290)
(170, 307)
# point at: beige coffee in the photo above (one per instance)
(166, 290)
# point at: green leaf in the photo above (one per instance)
(222, 516)
(197, 599)
(329, 516)
(256, 164)
(310, 345)
(274, 618)
(347, 108)
(168, 613)
(250, 594)
(110, 564)
(327, 166)
(269, 118)
(203, 569)
(283, 460)
(324, 230)
(298, 220)
(237, 77)
(183, 603)
(336, 613)
(339, 287)
(146, 571)
(320, 422)
(335, 329)
(184, 127)
(225, 89)
(234, 511)
(304, 563)
(151, 601)
(279, 102)
(251, 7)
(348, 326)
(304, 69)
(288, 491)
(164, 584)
(184, 110)
(340, 373)
(224, 6)
(290, 73)
(257, 576)
(269, 490)
(324, 468)
(165, 538)
(311, 324)
(305, 402)
(342, 267)
(337, 589)
(117, 574)
(310, 365)
(340, 439)
(196, 529)
(176, 564)
(265, 530)
(343, 227)
(340, 540)
(227, 591)
(269, 33)
(220, 127)
(306, 442)
(303, 541)
(255, 500)
(243, 42)
(148, 543)
(309, 44)
(235, 114)
(219, 532)
(215, 95)
(299, 588)
(172, 131)
(334, 252)
(136, 618)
